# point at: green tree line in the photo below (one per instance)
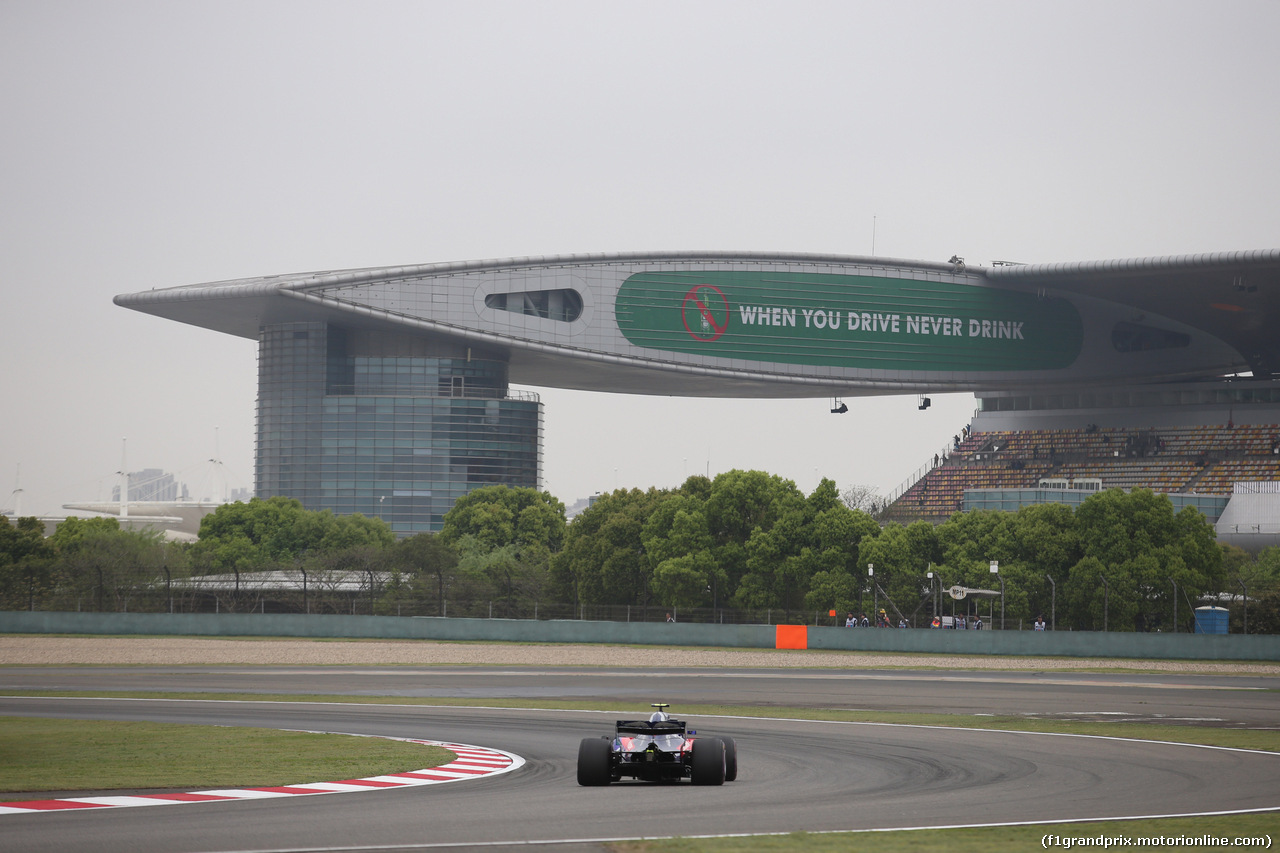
(744, 546)
(752, 541)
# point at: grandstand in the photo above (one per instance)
(1204, 460)
(1196, 459)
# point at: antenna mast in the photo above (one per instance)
(124, 479)
(219, 475)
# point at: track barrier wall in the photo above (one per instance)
(1101, 644)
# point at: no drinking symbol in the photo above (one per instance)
(705, 312)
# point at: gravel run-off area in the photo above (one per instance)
(189, 651)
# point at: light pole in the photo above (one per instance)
(995, 570)
(875, 595)
(1175, 604)
(935, 601)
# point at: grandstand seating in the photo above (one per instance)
(1199, 459)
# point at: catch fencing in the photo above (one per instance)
(1099, 644)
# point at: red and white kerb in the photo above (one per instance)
(473, 762)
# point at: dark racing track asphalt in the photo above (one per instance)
(1235, 700)
(793, 775)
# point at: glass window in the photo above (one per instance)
(563, 305)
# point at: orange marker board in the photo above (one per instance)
(792, 637)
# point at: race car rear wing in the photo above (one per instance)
(644, 727)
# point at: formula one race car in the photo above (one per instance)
(659, 749)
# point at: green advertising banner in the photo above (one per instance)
(850, 321)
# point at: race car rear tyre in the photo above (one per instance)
(730, 759)
(593, 762)
(707, 762)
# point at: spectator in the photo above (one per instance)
(863, 621)
(937, 622)
(849, 621)
(670, 618)
(1039, 623)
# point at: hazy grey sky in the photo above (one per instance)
(153, 144)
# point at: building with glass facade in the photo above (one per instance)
(386, 424)
(385, 391)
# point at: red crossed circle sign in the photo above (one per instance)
(705, 312)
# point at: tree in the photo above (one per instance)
(677, 541)
(430, 562)
(863, 498)
(833, 589)
(498, 576)
(97, 560)
(897, 569)
(604, 560)
(506, 538)
(682, 581)
(1086, 598)
(353, 531)
(1260, 576)
(21, 538)
(1046, 544)
(75, 533)
(1264, 611)
(831, 559)
(813, 537)
(969, 541)
(1143, 549)
(246, 536)
(357, 565)
(498, 516)
(739, 503)
(1264, 573)
(25, 570)
(262, 533)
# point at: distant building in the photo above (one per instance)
(150, 484)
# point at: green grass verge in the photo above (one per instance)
(38, 754)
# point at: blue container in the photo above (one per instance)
(1211, 620)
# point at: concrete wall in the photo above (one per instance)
(986, 642)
